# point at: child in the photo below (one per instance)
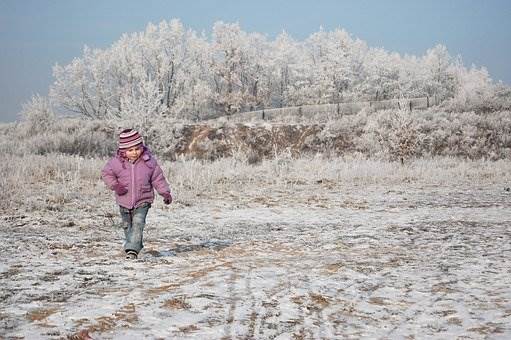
(131, 174)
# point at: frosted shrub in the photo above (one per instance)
(160, 134)
(471, 135)
(337, 137)
(66, 136)
(392, 134)
(38, 115)
(8, 144)
(83, 143)
(397, 134)
(501, 99)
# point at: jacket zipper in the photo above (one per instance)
(132, 185)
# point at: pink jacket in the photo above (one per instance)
(139, 178)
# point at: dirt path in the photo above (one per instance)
(414, 262)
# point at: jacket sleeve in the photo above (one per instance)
(108, 175)
(159, 182)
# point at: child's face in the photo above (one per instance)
(134, 152)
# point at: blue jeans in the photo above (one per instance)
(133, 223)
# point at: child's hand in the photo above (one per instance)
(167, 199)
(120, 189)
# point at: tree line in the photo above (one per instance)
(168, 70)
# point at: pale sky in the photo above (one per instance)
(37, 34)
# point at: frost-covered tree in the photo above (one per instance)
(81, 86)
(195, 99)
(226, 67)
(383, 75)
(167, 70)
(160, 54)
(340, 64)
(438, 78)
(236, 71)
(473, 86)
(257, 75)
(411, 82)
(283, 58)
(143, 101)
(98, 84)
(330, 70)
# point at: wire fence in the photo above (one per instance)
(330, 111)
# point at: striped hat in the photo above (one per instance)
(129, 138)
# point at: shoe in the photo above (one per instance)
(131, 255)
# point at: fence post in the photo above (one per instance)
(263, 114)
(427, 102)
(338, 109)
(410, 104)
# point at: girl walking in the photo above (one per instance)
(132, 174)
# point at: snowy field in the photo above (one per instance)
(399, 257)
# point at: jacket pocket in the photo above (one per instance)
(146, 192)
(146, 188)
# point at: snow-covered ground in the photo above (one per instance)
(304, 261)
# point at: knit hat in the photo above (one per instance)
(129, 138)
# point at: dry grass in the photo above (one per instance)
(193, 179)
(52, 181)
(40, 314)
(177, 303)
